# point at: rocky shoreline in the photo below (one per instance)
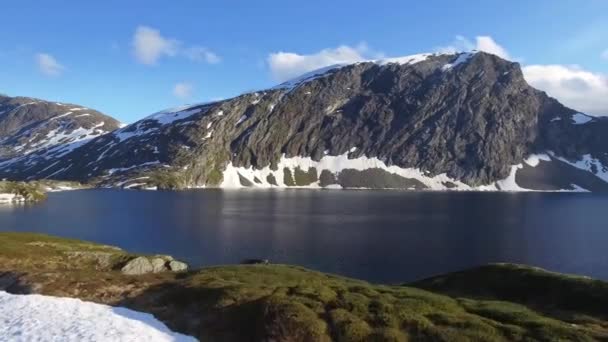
(264, 302)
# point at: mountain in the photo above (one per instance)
(34, 132)
(465, 121)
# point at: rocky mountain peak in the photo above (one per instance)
(467, 121)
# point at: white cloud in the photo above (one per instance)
(487, 44)
(605, 54)
(201, 54)
(482, 43)
(287, 65)
(48, 65)
(183, 90)
(571, 85)
(149, 46)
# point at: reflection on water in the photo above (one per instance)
(382, 236)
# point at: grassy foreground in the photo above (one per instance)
(288, 303)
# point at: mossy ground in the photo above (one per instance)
(289, 303)
(31, 191)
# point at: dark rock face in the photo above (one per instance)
(35, 132)
(468, 116)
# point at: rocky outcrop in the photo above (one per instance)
(138, 266)
(143, 265)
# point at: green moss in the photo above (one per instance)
(288, 178)
(305, 178)
(165, 180)
(327, 178)
(271, 180)
(215, 177)
(280, 302)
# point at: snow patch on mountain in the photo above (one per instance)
(258, 178)
(534, 159)
(590, 164)
(462, 58)
(405, 60)
(334, 164)
(581, 119)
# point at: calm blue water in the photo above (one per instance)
(381, 236)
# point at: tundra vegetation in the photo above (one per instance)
(500, 302)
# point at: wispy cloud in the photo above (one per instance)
(605, 54)
(572, 85)
(149, 46)
(183, 90)
(201, 54)
(48, 65)
(482, 43)
(287, 65)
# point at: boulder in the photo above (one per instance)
(178, 266)
(139, 265)
(159, 265)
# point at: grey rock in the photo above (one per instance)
(178, 266)
(138, 266)
(159, 265)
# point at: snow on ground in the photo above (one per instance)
(165, 117)
(241, 119)
(405, 60)
(309, 76)
(509, 183)
(44, 318)
(534, 159)
(462, 58)
(122, 169)
(336, 164)
(10, 198)
(580, 118)
(588, 163)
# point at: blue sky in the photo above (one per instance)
(132, 58)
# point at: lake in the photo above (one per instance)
(380, 236)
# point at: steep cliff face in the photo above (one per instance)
(35, 132)
(459, 121)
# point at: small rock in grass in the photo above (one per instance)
(178, 266)
(137, 266)
(159, 265)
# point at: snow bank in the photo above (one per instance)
(259, 178)
(334, 164)
(44, 318)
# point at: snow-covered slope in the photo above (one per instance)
(26, 318)
(34, 131)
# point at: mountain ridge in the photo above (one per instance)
(464, 121)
